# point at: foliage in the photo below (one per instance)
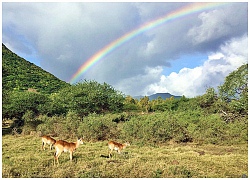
(88, 97)
(156, 128)
(144, 104)
(235, 89)
(61, 126)
(170, 104)
(96, 128)
(208, 98)
(209, 101)
(25, 86)
(130, 104)
(19, 74)
(19, 103)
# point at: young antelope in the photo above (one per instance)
(47, 140)
(117, 146)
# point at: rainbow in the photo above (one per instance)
(187, 10)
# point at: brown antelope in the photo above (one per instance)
(47, 140)
(63, 146)
(117, 147)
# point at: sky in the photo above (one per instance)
(182, 56)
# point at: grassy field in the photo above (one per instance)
(22, 157)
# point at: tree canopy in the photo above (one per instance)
(89, 97)
(235, 89)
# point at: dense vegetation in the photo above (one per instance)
(100, 113)
(19, 74)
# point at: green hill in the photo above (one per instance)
(19, 74)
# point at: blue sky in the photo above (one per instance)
(31, 57)
(188, 61)
(181, 57)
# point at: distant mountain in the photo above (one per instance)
(163, 96)
(19, 74)
(155, 96)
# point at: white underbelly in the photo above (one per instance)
(65, 150)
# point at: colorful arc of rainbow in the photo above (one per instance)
(187, 10)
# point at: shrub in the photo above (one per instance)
(156, 128)
(19, 103)
(98, 127)
(153, 128)
(63, 127)
(88, 97)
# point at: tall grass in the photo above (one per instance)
(23, 157)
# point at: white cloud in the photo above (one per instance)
(216, 24)
(135, 85)
(193, 82)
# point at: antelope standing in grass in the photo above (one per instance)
(47, 140)
(63, 146)
(117, 146)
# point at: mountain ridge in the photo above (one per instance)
(156, 95)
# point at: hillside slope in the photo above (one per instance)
(19, 74)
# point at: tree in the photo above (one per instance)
(18, 103)
(144, 103)
(208, 98)
(130, 104)
(234, 91)
(88, 97)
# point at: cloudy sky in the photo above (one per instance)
(184, 56)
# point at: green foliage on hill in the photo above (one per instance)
(29, 89)
(19, 75)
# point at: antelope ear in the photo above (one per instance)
(80, 138)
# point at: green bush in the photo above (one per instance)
(98, 127)
(30, 122)
(88, 97)
(156, 128)
(60, 126)
(19, 103)
(213, 130)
